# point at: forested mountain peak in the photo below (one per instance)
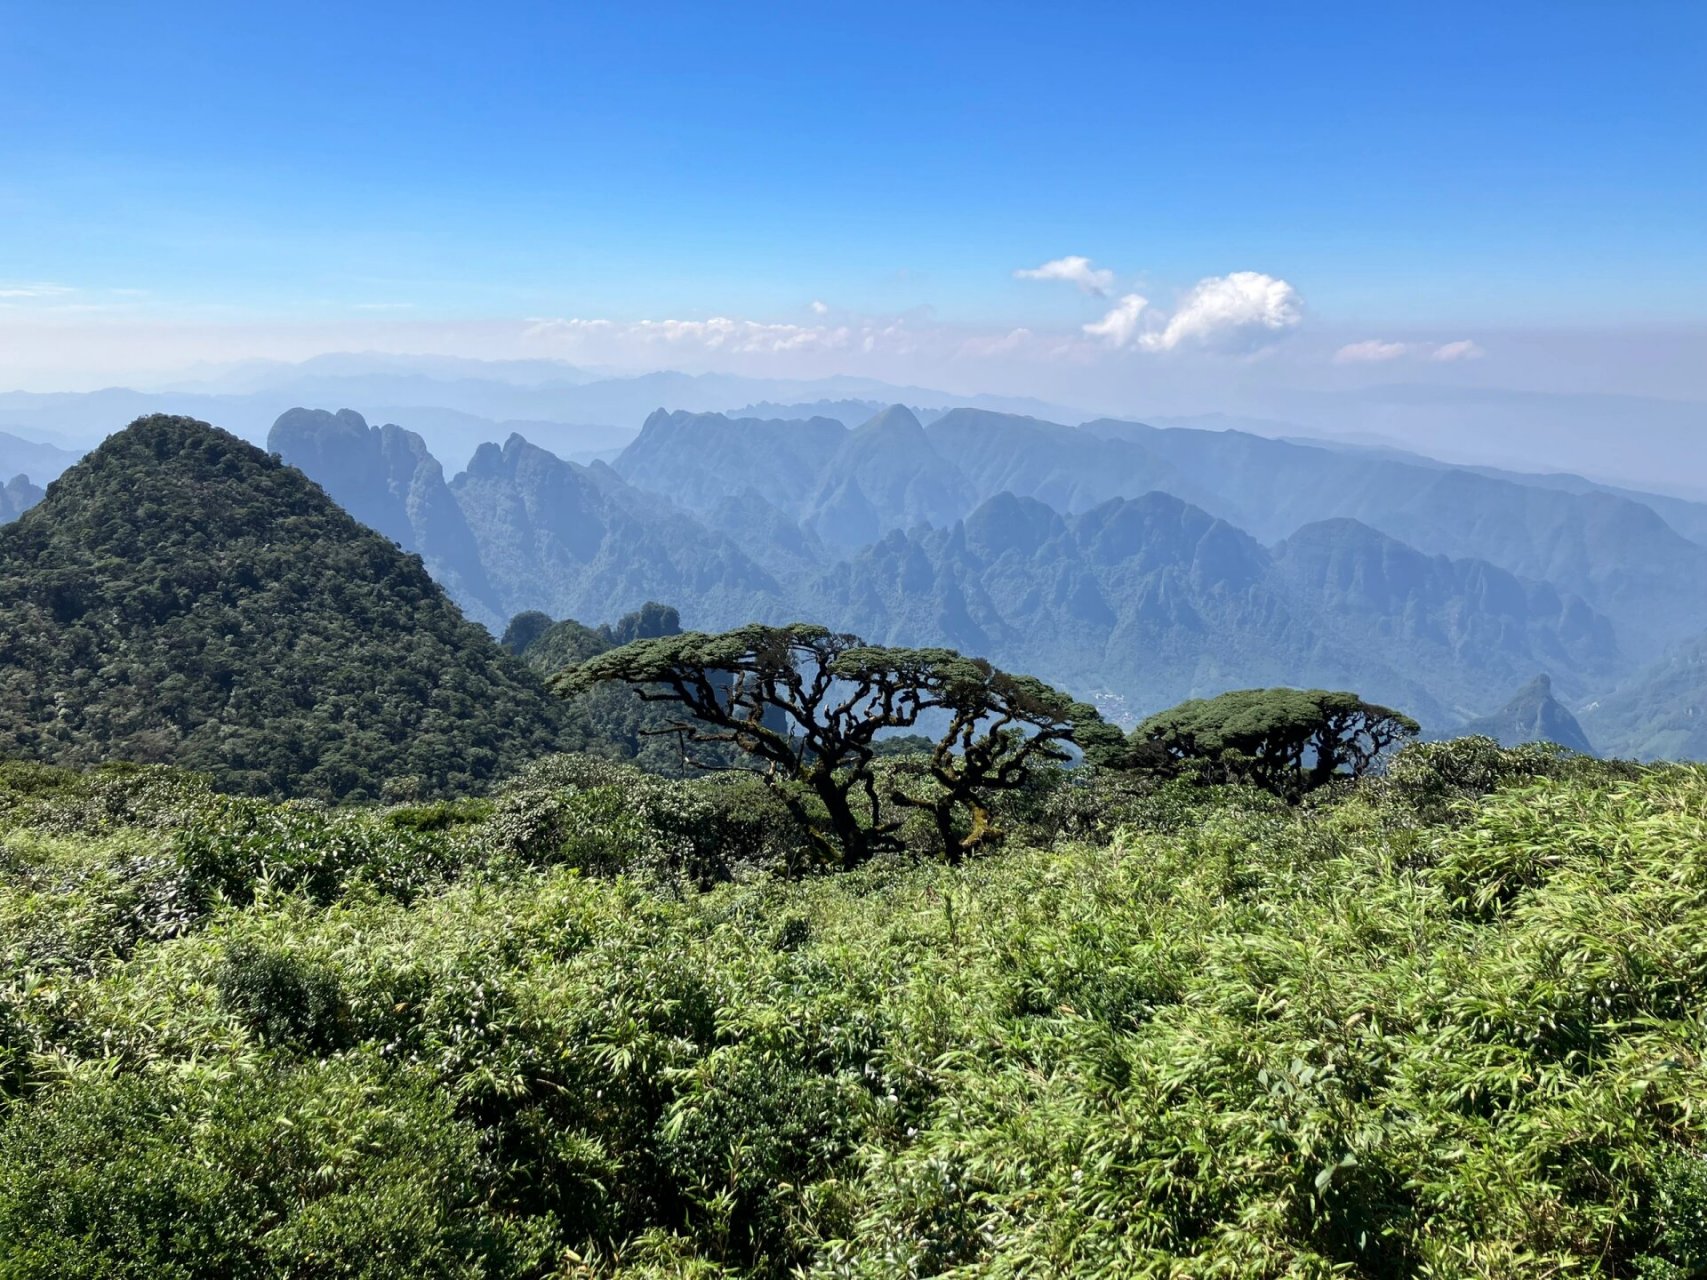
(1157, 528)
(698, 458)
(896, 426)
(182, 596)
(886, 475)
(1533, 715)
(570, 539)
(1008, 523)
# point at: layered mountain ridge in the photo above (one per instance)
(1618, 554)
(1068, 552)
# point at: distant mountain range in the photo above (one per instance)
(454, 405)
(36, 459)
(1613, 551)
(1133, 564)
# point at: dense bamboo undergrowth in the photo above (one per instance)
(1413, 1031)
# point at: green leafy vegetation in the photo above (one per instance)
(1260, 991)
(180, 597)
(1441, 1021)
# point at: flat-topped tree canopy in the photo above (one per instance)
(1286, 740)
(810, 703)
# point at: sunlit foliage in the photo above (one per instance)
(1446, 1022)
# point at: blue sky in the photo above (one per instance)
(1416, 173)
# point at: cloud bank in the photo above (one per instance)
(39, 289)
(719, 333)
(1235, 314)
(1376, 351)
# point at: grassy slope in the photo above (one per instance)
(1225, 1042)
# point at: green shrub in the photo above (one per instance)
(1434, 780)
(608, 818)
(281, 998)
(322, 1171)
(230, 850)
(1679, 1245)
(96, 801)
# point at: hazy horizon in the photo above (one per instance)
(963, 200)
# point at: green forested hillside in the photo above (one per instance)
(1414, 1031)
(182, 597)
(1660, 713)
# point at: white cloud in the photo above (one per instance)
(1120, 325)
(1237, 313)
(1372, 351)
(38, 290)
(723, 336)
(820, 308)
(1073, 270)
(1234, 313)
(1464, 349)
(1375, 350)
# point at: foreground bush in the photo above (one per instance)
(1448, 1024)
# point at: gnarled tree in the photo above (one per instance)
(809, 704)
(1287, 741)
